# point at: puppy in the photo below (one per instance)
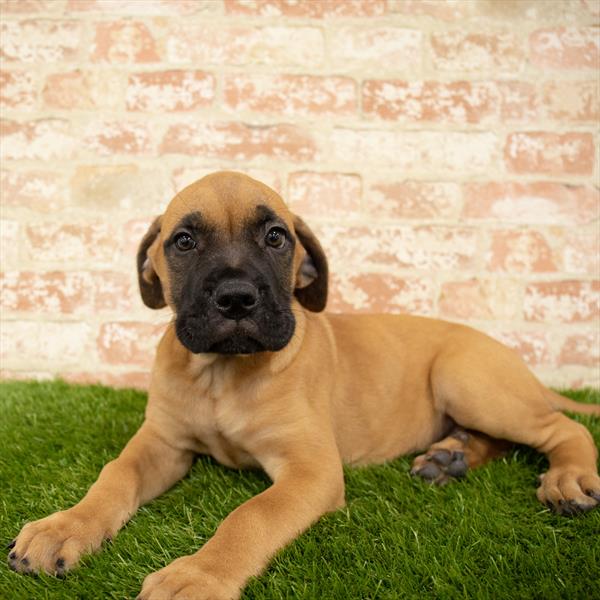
(252, 372)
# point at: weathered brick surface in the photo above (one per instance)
(550, 153)
(43, 191)
(291, 94)
(128, 343)
(17, 90)
(203, 44)
(40, 41)
(171, 91)
(481, 299)
(239, 141)
(124, 42)
(70, 242)
(444, 152)
(384, 48)
(414, 200)
(530, 203)
(40, 140)
(568, 301)
(311, 193)
(521, 252)
(314, 10)
(78, 89)
(477, 52)
(566, 48)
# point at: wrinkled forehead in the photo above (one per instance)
(226, 202)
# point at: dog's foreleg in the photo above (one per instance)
(146, 467)
(252, 534)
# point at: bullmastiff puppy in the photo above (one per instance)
(252, 372)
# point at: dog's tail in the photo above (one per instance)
(559, 402)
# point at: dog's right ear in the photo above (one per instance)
(150, 286)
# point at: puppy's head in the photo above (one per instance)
(228, 257)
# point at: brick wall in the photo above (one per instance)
(445, 151)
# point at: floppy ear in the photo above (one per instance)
(311, 278)
(150, 286)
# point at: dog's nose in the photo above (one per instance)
(235, 299)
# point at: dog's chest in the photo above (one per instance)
(218, 423)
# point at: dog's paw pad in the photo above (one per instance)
(439, 466)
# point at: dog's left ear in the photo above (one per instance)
(150, 285)
(312, 276)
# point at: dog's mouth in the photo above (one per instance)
(200, 335)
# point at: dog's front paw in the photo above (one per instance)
(184, 579)
(53, 544)
(569, 492)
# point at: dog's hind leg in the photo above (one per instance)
(453, 456)
(485, 387)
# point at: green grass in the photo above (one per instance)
(484, 537)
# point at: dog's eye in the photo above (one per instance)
(275, 237)
(184, 242)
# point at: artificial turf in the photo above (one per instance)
(483, 537)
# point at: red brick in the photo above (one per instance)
(204, 44)
(44, 343)
(120, 187)
(67, 292)
(550, 153)
(582, 349)
(290, 94)
(380, 292)
(569, 301)
(591, 6)
(106, 138)
(237, 141)
(534, 348)
(539, 202)
(315, 194)
(71, 242)
(436, 151)
(28, 6)
(169, 91)
(520, 252)
(414, 200)
(443, 10)
(114, 292)
(449, 102)
(454, 102)
(581, 252)
(480, 299)
(485, 52)
(315, 10)
(128, 343)
(566, 48)
(378, 247)
(141, 7)
(51, 293)
(23, 375)
(575, 101)
(518, 101)
(132, 233)
(182, 177)
(44, 139)
(380, 47)
(10, 242)
(44, 191)
(124, 42)
(84, 89)
(17, 90)
(139, 380)
(40, 41)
